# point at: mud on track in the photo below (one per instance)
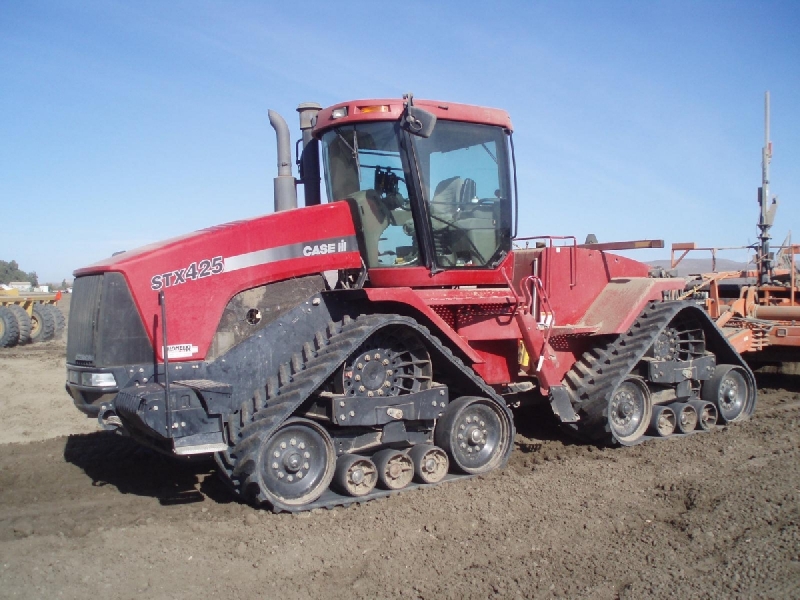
(709, 516)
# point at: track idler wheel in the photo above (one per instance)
(296, 463)
(355, 475)
(475, 433)
(395, 469)
(430, 463)
(663, 422)
(685, 416)
(707, 414)
(630, 410)
(730, 391)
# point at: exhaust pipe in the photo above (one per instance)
(285, 184)
(309, 160)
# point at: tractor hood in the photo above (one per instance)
(201, 271)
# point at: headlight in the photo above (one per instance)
(93, 379)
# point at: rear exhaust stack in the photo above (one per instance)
(309, 159)
(285, 184)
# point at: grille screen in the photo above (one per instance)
(105, 328)
(83, 310)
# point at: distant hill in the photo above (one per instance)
(695, 266)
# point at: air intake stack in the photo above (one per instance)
(309, 159)
(285, 190)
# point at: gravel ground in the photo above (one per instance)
(85, 513)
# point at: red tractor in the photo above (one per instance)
(347, 349)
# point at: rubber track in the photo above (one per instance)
(296, 381)
(596, 375)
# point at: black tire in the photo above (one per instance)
(430, 463)
(9, 329)
(59, 322)
(23, 321)
(630, 410)
(355, 475)
(301, 471)
(43, 324)
(730, 391)
(476, 434)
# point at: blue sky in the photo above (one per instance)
(123, 123)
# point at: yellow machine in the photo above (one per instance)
(28, 317)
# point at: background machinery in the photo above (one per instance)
(28, 317)
(350, 348)
(758, 308)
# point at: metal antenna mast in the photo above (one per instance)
(768, 207)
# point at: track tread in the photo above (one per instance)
(596, 374)
(296, 381)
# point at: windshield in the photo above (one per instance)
(466, 183)
(363, 164)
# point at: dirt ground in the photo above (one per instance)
(84, 513)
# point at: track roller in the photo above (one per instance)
(730, 391)
(706, 414)
(662, 422)
(430, 463)
(395, 469)
(355, 475)
(685, 416)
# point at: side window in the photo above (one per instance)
(468, 193)
(363, 165)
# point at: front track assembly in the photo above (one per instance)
(672, 373)
(355, 416)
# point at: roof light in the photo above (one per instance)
(374, 108)
(338, 113)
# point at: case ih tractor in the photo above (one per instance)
(351, 348)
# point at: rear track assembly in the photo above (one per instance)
(599, 373)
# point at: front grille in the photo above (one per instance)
(83, 310)
(105, 327)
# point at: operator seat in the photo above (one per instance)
(446, 200)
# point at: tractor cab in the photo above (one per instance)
(429, 184)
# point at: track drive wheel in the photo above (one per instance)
(355, 475)
(395, 469)
(43, 324)
(23, 322)
(630, 410)
(294, 465)
(392, 362)
(430, 463)
(475, 433)
(729, 390)
(9, 329)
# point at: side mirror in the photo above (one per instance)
(418, 121)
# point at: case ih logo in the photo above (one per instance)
(217, 265)
(341, 246)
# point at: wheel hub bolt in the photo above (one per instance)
(475, 436)
(430, 465)
(357, 476)
(292, 461)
